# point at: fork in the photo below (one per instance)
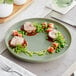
(8, 68)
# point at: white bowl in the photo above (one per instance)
(6, 10)
(20, 2)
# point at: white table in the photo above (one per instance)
(54, 68)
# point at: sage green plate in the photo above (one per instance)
(38, 42)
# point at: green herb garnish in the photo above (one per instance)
(19, 49)
(22, 32)
(39, 27)
(61, 40)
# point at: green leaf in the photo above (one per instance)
(21, 32)
(1, 1)
(9, 1)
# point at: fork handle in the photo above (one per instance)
(16, 73)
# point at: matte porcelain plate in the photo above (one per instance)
(38, 42)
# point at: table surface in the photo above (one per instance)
(54, 68)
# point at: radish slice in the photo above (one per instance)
(51, 25)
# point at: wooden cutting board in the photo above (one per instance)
(17, 9)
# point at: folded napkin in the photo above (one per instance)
(14, 67)
(63, 10)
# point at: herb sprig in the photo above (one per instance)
(61, 40)
(39, 27)
(19, 49)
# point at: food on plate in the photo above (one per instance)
(19, 44)
(49, 29)
(29, 28)
(52, 34)
(51, 50)
(55, 45)
(51, 25)
(44, 25)
(16, 40)
(6, 8)
(19, 33)
(16, 33)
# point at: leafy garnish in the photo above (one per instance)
(21, 32)
(61, 40)
(39, 27)
(19, 49)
